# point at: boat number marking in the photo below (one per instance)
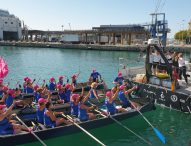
(174, 98)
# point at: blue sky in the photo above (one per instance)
(84, 14)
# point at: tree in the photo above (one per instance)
(181, 34)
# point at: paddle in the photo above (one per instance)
(119, 123)
(157, 132)
(30, 131)
(81, 128)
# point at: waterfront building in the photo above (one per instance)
(10, 26)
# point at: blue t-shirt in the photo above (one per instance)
(95, 75)
(119, 80)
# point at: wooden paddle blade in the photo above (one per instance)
(160, 136)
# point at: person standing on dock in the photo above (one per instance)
(182, 67)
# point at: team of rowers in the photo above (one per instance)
(43, 99)
(175, 59)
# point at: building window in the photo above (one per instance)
(11, 22)
(5, 22)
(19, 24)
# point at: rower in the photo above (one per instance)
(61, 92)
(50, 119)
(36, 87)
(122, 98)
(74, 101)
(182, 68)
(93, 92)
(119, 79)
(25, 84)
(83, 110)
(28, 86)
(40, 110)
(95, 76)
(60, 80)
(52, 84)
(68, 91)
(6, 127)
(74, 79)
(109, 102)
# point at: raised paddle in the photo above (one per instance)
(119, 123)
(157, 132)
(81, 128)
(30, 131)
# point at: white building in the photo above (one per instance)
(10, 26)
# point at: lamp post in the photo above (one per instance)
(69, 25)
(62, 27)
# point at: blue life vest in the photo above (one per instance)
(110, 107)
(29, 90)
(6, 127)
(74, 109)
(82, 113)
(62, 95)
(40, 115)
(119, 80)
(48, 122)
(52, 86)
(67, 93)
(9, 101)
(123, 99)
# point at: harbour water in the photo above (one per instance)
(43, 63)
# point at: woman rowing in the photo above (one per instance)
(60, 80)
(74, 80)
(6, 127)
(109, 102)
(50, 119)
(83, 110)
(68, 92)
(40, 110)
(74, 101)
(119, 79)
(28, 86)
(52, 84)
(124, 101)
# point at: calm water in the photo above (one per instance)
(44, 63)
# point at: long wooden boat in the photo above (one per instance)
(48, 133)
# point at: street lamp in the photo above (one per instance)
(62, 27)
(69, 26)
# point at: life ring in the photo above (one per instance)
(162, 75)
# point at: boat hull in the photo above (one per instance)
(176, 100)
(70, 129)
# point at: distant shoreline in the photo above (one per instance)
(135, 48)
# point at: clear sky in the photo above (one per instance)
(84, 14)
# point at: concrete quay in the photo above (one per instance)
(136, 48)
(72, 46)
